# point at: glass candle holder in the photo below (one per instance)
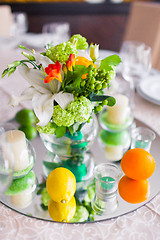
(142, 137)
(107, 176)
(114, 144)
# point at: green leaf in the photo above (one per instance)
(11, 70)
(73, 78)
(99, 98)
(110, 61)
(111, 101)
(23, 47)
(44, 208)
(5, 72)
(71, 130)
(54, 125)
(41, 185)
(30, 57)
(51, 165)
(60, 131)
(14, 64)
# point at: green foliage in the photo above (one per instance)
(109, 62)
(110, 100)
(60, 131)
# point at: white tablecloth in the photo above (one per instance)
(142, 224)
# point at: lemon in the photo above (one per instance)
(62, 212)
(30, 131)
(25, 117)
(61, 185)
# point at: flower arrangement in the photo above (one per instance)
(64, 81)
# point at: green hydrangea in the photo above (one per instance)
(48, 129)
(61, 52)
(78, 110)
(62, 117)
(81, 43)
(81, 109)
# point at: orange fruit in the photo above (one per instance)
(133, 191)
(138, 164)
(61, 185)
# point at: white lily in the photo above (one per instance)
(43, 60)
(94, 52)
(83, 53)
(42, 94)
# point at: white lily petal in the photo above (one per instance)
(98, 63)
(63, 99)
(94, 52)
(35, 78)
(40, 59)
(25, 96)
(55, 86)
(83, 53)
(43, 107)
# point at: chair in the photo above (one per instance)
(144, 25)
(5, 21)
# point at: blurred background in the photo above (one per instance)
(100, 21)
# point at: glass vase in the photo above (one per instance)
(72, 152)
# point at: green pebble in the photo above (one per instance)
(115, 139)
(21, 184)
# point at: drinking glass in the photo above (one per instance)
(142, 137)
(107, 176)
(136, 62)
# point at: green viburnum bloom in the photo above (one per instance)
(78, 110)
(61, 52)
(48, 129)
(81, 109)
(62, 117)
(81, 42)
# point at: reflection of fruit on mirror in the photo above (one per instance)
(138, 164)
(62, 212)
(134, 191)
(61, 185)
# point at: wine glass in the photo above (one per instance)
(20, 24)
(136, 62)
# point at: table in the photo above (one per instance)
(144, 223)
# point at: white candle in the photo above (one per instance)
(118, 113)
(23, 199)
(18, 144)
(114, 153)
